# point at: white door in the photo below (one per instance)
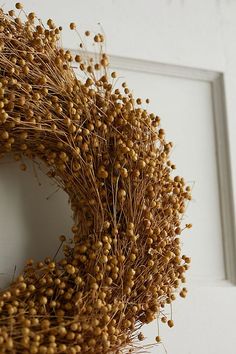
(189, 35)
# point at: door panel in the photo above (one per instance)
(185, 106)
(186, 110)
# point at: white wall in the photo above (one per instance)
(195, 33)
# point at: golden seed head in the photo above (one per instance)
(19, 6)
(43, 300)
(170, 323)
(72, 26)
(70, 269)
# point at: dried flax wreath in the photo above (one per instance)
(124, 262)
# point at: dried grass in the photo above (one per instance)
(124, 262)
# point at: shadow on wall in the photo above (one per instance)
(33, 214)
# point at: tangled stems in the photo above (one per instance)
(124, 262)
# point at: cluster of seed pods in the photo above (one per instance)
(124, 262)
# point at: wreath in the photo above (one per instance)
(123, 263)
